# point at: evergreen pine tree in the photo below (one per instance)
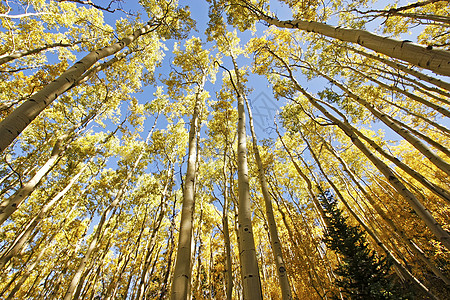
(362, 274)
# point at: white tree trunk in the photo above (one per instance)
(182, 273)
(20, 118)
(437, 61)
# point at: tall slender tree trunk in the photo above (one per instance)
(249, 265)
(316, 203)
(437, 107)
(9, 206)
(441, 235)
(10, 57)
(182, 274)
(170, 249)
(21, 117)
(22, 237)
(371, 233)
(421, 76)
(396, 126)
(76, 280)
(437, 61)
(226, 232)
(273, 232)
(150, 247)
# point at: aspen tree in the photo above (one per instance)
(249, 273)
(393, 228)
(222, 135)
(303, 243)
(195, 65)
(226, 232)
(26, 271)
(124, 260)
(275, 241)
(442, 110)
(371, 232)
(398, 66)
(20, 118)
(317, 205)
(349, 130)
(20, 240)
(249, 266)
(228, 44)
(397, 127)
(10, 205)
(5, 58)
(75, 287)
(152, 243)
(406, 81)
(437, 61)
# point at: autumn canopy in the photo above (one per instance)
(224, 149)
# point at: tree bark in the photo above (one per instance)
(21, 117)
(388, 221)
(437, 61)
(397, 66)
(9, 206)
(226, 232)
(275, 240)
(20, 240)
(441, 235)
(249, 265)
(405, 133)
(371, 233)
(73, 287)
(7, 58)
(182, 274)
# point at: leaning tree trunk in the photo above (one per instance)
(226, 231)
(422, 212)
(23, 236)
(316, 203)
(9, 206)
(18, 54)
(21, 117)
(392, 227)
(437, 61)
(369, 231)
(76, 280)
(405, 133)
(435, 81)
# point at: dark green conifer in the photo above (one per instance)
(362, 274)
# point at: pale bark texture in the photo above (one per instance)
(273, 231)
(9, 206)
(404, 272)
(20, 240)
(9, 57)
(226, 231)
(405, 133)
(434, 60)
(397, 66)
(391, 225)
(182, 274)
(21, 117)
(444, 111)
(440, 234)
(311, 193)
(74, 286)
(249, 265)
